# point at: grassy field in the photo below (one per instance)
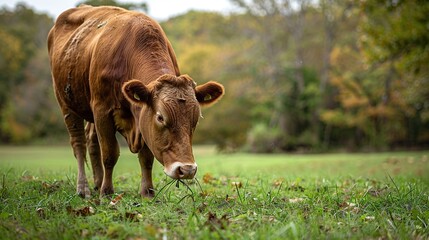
(237, 196)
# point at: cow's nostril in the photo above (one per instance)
(180, 172)
(186, 171)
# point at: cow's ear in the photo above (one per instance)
(209, 93)
(136, 92)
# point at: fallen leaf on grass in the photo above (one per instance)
(295, 200)
(296, 187)
(208, 178)
(349, 206)
(277, 182)
(41, 212)
(28, 178)
(202, 207)
(116, 200)
(377, 192)
(52, 187)
(269, 218)
(216, 223)
(95, 201)
(21, 230)
(203, 194)
(133, 216)
(84, 212)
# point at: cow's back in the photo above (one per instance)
(93, 50)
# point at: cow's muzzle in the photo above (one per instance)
(179, 170)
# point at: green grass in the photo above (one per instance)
(242, 196)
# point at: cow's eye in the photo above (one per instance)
(159, 118)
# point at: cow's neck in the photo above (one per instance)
(151, 70)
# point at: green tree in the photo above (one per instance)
(27, 105)
(380, 79)
(285, 56)
(11, 61)
(395, 34)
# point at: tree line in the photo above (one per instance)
(299, 75)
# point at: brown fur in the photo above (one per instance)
(94, 53)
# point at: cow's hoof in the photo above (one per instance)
(84, 193)
(82, 188)
(148, 193)
(106, 192)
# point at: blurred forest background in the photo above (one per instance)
(309, 75)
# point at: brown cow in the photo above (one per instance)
(116, 70)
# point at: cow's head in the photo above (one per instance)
(170, 110)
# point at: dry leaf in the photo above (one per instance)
(349, 206)
(28, 178)
(85, 211)
(41, 212)
(216, 223)
(296, 187)
(133, 216)
(296, 200)
(204, 194)
(269, 218)
(277, 182)
(202, 207)
(208, 178)
(377, 192)
(52, 187)
(116, 200)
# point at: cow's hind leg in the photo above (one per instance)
(109, 147)
(94, 154)
(146, 162)
(75, 127)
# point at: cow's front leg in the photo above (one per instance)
(109, 147)
(76, 131)
(146, 163)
